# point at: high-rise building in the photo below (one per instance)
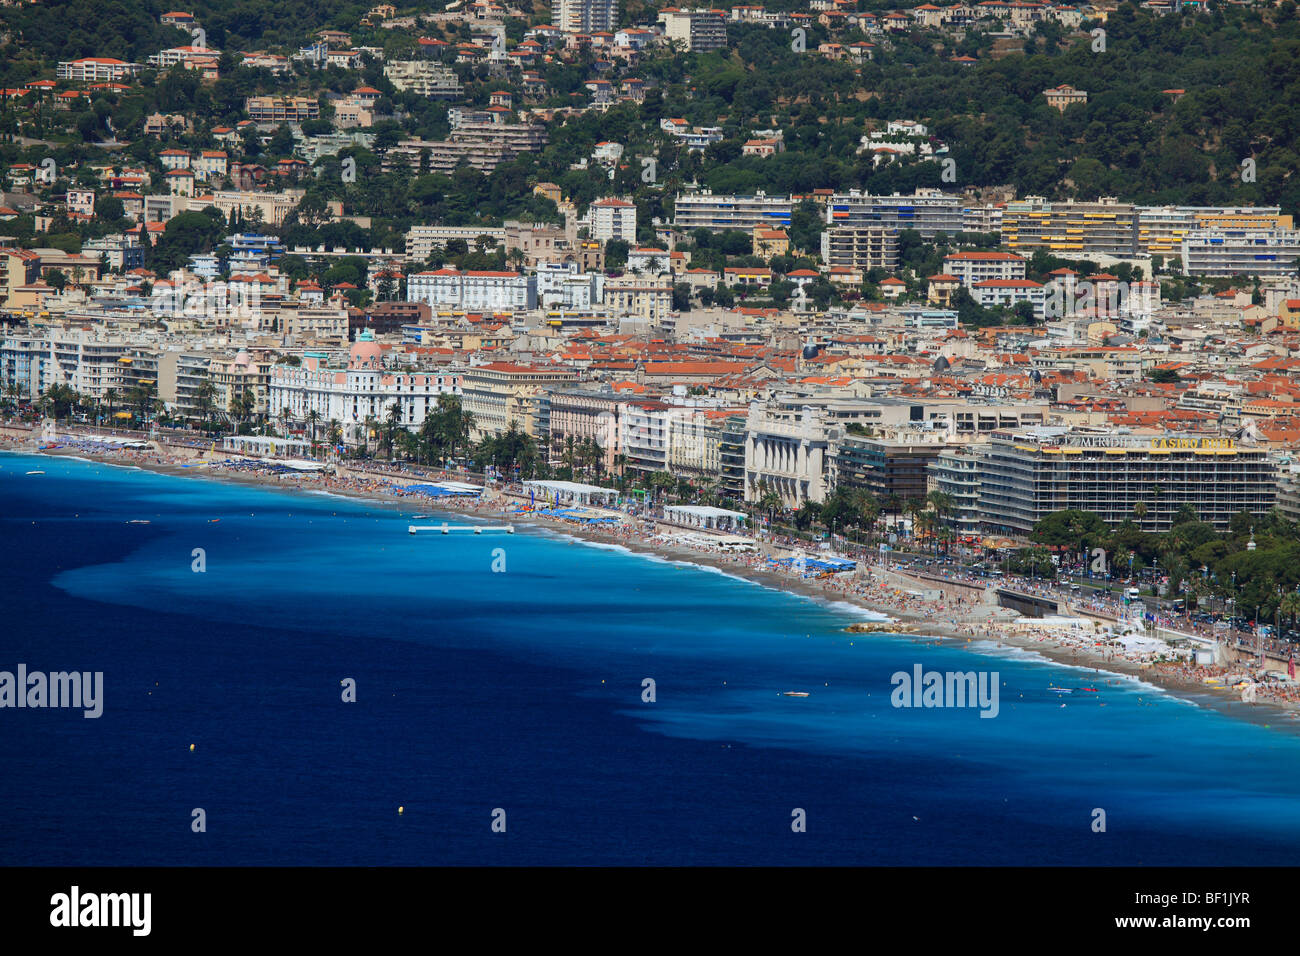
(1230, 252)
(705, 210)
(888, 470)
(928, 211)
(613, 219)
(1161, 229)
(1027, 475)
(697, 30)
(584, 16)
(1104, 228)
(861, 247)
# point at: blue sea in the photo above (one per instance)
(521, 691)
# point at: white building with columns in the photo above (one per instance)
(787, 451)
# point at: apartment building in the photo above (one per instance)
(242, 378)
(482, 145)
(97, 69)
(860, 248)
(613, 219)
(1230, 252)
(423, 241)
(585, 16)
(281, 109)
(697, 30)
(1010, 293)
(87, 360)
(424, 78)
(956, 473)
(1162, 229)
(501, 393)
(18, 268)
(972, 267)
(588, 414)
(897, 470)
(477, 290)
(705, 210)
(1106, 227)
(928, 212)
(646, 298)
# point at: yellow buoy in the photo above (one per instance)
(191, 748)
(401, 809)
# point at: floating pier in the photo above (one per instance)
(462, 528)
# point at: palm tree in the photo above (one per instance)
(867, 511)
(204, 400)
(942, 503)
(806, 516)
(369, 426)
(242, 406)
(892, 502)
(913, 508)
(1156, 492)
(1140, 511)
(568, 458)
(768, 501)
(313, 417)
(1290, 606)
(60, 399)
(392, 424)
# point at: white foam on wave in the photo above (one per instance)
(95, 461)
(862, 613)
(1012, 651)
(607, 546)
(328, 494)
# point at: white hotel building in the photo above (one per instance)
(364, 389)
(485, 291)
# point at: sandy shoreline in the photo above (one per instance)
(942, 622)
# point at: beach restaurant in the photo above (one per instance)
(700, 516)
(572, 492)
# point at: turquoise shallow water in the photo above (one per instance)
(522, 690)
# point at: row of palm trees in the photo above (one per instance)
(61, 402)
(444, 435)
(857, 514)
(582, 456)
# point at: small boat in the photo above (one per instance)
(795, 693)
(137, 521)
(1062, 690)
(1088, 690)
(36, 473)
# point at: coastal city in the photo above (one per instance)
(975, 327)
